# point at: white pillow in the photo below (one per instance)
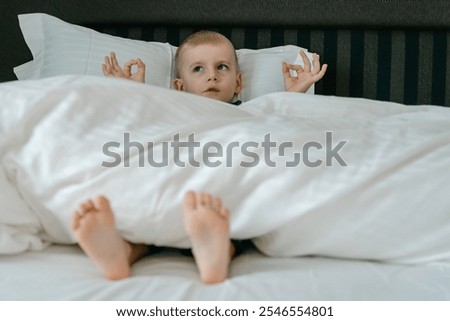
(261, 69)
(61, 48)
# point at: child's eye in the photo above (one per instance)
(198, 69)
(222, 67)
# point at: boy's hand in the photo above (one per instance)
(306, 76)
(111, 68)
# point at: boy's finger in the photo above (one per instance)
(105, 70)
(108, 64)
(297, 68)
(306, 62)
(140, 63)
(128, 66)
(321, 73)
(285, 70)
(114, 62)
(323, 70)
(107, 67)
(316, 64)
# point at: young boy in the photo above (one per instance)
(206, 65)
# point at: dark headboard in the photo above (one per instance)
(395, 50)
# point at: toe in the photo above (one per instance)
(189, 201)
(206, 199)
(85, 207)
(90, 205)
(216, 204)
(224, 212)
(102, 203)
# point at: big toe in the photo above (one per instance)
(76, 217)
(103, 203)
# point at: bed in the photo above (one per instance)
(354, 207)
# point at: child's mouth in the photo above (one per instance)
(212, 89)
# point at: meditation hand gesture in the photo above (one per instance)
(111, 68)
(306, 76)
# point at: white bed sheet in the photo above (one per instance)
(65, 273)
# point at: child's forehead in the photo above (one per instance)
(215, 50)
(210, 45)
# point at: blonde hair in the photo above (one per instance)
(200, 38)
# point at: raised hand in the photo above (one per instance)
(306, 76)
(111, 68)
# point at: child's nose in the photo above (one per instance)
(213, 76)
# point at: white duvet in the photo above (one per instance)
(341, 177)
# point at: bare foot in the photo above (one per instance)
(207, 225)
(95, 229)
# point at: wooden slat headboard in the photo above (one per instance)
(396, 50)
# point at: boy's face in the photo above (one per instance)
(209, 70)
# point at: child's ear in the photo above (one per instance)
(238, 83)
(178, 84)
